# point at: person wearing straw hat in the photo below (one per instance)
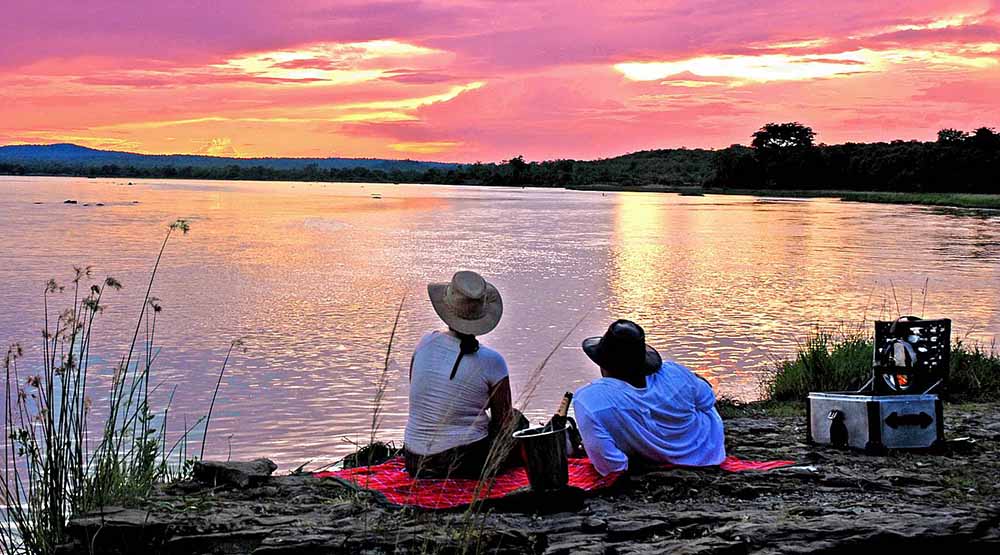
(644, 410)
(454, 379)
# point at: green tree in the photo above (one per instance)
(517, 164)
(949, 136)
(985, 137)
(736, 166)
(783, 135)
(518, 168)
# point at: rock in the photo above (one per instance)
(238, 474)
(69, 201)
(592, 524)
(746, 491)
(899, 477)
(527, 501)
(620, 529)
(833, 501)
(116, 530)
(238, 541)
(800, 472)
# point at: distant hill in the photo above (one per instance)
(67, 154)
(958, 162)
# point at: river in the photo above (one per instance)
(311, 276)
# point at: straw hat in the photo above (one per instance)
(468, 304)
(623, 349)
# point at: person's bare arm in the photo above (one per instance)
(501, 406)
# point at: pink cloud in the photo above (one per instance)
(117, 70)
(974, 93)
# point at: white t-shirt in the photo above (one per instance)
(672, 420)
(446, 413)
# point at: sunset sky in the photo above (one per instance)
(466, 80)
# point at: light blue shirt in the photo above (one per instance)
(671, 420)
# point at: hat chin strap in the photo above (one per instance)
(468, 345)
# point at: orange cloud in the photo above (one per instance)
(328, 63)
(428, 147)
(783, 67)
(219, 146)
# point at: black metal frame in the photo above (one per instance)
(936, 370)
(929, 370)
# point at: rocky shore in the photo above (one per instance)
(832, 501)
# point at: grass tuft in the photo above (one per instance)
(844, 363)
(53, 467)
(823, 363)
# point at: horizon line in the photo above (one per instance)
(501, 161)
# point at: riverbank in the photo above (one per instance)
(927, 199)
(945, 200)
(831, 501)
(951, 200)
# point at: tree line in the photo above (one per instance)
(668, 167)
(781, 156)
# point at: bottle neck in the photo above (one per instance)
(563, 409)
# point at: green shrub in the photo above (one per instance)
(828, 363)
(824, 363)
(974, 373)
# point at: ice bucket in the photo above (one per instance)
(545, 457)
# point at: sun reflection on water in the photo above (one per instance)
(311, 275)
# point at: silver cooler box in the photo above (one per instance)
(875, 423)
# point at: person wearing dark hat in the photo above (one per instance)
(644, 409)
(454, 379)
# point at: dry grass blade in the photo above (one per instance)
(383, 379)
(502, 447)
(208, 418)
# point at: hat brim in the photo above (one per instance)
(651, 362)
(492, 310)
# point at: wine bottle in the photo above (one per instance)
(558, 421)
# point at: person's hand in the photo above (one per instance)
(575, 439)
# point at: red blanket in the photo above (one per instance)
(391, 480)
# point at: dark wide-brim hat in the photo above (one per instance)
(468, 303)
(623, 348)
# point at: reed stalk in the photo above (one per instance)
(51, 469)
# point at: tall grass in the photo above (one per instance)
(975, 372)
(470, 535)
(466, 535)
(52, 466)
(829, 362)
(824, 363)
(382, 382)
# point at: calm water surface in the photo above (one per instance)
(311, 276)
